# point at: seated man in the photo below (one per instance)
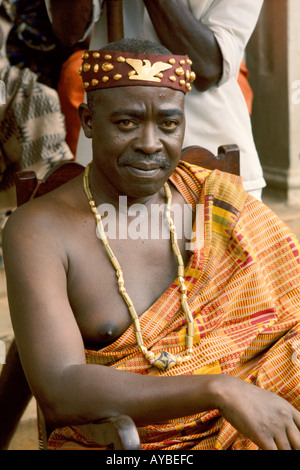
(197, 342)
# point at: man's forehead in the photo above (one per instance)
(138, 98)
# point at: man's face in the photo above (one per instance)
(137, 135)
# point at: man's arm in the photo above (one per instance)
(182, 33)
(70, 391)
(70, 19)
(14, 396)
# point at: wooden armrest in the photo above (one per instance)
(118, 432)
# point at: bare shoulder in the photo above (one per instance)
(45, 220)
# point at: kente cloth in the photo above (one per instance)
(243, 284)
(32, 130)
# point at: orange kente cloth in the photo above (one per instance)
(244, 293)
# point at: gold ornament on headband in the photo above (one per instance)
(106, 69)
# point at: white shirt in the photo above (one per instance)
(219, 115)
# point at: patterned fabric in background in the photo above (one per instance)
(31, 42)
(32, 131)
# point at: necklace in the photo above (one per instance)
(162, 360)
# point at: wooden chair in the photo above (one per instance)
(119, 432)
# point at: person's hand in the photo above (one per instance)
(262, 416)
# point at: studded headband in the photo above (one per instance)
(106, 69)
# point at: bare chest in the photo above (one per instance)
(149, 267)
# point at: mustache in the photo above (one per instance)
(132, 158)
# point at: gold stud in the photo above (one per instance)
(105, 79)
(131, 72)
(192, 77)
(107, 57)
(121, 59)
(80, 70)
(86, 85)
(85, 55)
(95, 82)
(118, 76)
(189, 62)
(159, 75)
(86, 67)
(107, 67)
(172, 61)
(188, 87)
(187, 74)
(182, 62)
(172, 78)
(182, 82)
(96, 55)
(96, 68)
(179, 71)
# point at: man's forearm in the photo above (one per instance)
(87, 393)
(182, 33)
(70, 19)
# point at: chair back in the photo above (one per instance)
(28, 186)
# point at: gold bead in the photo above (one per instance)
(86, 85)
(105, 79)
(182, 62)
(172, 78)
(95, 82)
(118, 76)
(172, 61)
(86, 67)
(96, 68)
(179, 71)
(80, 70)
(85, 55)
(182, 82)
(189, 62)
(96, 55)
(192, 76)
(107, 57)
(107, 67)
(121, 59)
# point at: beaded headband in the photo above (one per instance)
(106, 69)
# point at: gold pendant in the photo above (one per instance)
(164, 361)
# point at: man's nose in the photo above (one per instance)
(148, 140)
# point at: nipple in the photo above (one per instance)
(107, 331)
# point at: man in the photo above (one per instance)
(214, 33)
(198, 345)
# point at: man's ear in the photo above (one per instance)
(85, 116)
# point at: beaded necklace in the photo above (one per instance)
(162, 360)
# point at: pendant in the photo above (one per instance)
(163, 361)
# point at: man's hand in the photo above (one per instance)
(262, 416)
(70, 19)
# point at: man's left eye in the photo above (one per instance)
(169, 124)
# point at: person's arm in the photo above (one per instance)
(70, 19)
(15, 395)
(182, 33)
(70, 391)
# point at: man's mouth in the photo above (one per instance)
(143, 168)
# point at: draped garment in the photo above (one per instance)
(243, 284)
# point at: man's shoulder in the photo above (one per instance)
(45, 213)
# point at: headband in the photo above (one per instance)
(106, 69)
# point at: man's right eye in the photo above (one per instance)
(126, 123)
